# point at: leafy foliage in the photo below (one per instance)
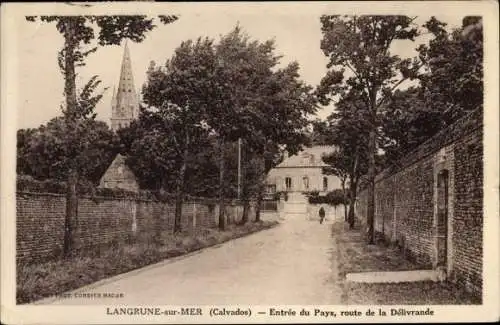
(227, 91)
(453, 80)
(335, 197)
(45, 152)
(451, 85)
(360, 46)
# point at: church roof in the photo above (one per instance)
(126, 82)
(309, 157)
(125, 102)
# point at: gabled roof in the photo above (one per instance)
(118, 161)
(309, 157)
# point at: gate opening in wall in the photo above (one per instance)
(442, 218)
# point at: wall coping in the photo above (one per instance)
(188, 200)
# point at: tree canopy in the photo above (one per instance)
(361, 46)
(205, 98)
(364, 79)
(45, 152)
(450, 86)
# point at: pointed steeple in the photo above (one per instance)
(113, 100)
(125, 104)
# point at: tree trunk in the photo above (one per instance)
(257, 207)
(179, 191)
(69, 70)
(370, 209)
(246, 207)
(345, 200)
(71, 121)
(244, 190)
(179, 198)
(260, 190)
(353, 193)
(222, 218)
(71, 211)
(246, 202)
(372, 151)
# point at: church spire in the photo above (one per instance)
(125, 104)
(113, 100)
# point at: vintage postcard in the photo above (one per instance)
(249, 162)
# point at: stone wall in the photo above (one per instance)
(409, 203)
(102, 221)
(331, 212)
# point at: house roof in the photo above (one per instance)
(309, 157)
(118, 161)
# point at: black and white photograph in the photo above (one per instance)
(249, 162)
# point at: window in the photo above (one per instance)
(305, 179)
(325, 183)
(288, 183)
(271, 189)
(311, 160)
(305, 158)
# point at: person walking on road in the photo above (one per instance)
(321, 215)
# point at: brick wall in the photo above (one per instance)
(39, 225)
(468, 217)
(407, 202)
(101, 221)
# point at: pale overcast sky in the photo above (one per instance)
(297, 36)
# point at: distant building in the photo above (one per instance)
(296, 175)
(119, 175)
(125, 103)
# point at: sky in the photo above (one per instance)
(297, 35)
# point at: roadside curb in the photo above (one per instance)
(114, 278)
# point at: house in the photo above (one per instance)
(298, 175)
(119, 175)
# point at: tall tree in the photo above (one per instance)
(78, 32)
(350, 137)
(171, 96)
(286, 104)
(249, 100)
(232, 89)
(361, 45)
(240, 64)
